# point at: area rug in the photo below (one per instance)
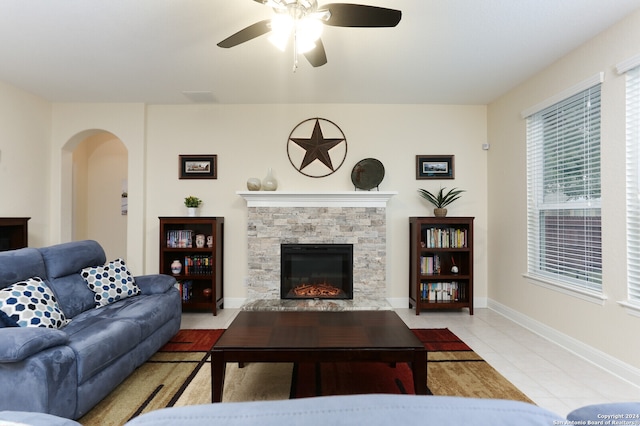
(180, 374)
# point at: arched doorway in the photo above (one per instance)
(98, 181)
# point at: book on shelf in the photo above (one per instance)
(436, 237)
(430, 265)
(186, 290)
(450, 291)
(198, 265)
(180, 238)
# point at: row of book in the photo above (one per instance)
(198, 264)
(443, 292)
(430, 265)
(182, 238)
(444, 237)
(186, 290)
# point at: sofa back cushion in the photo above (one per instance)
(63, 263)
(19, 265)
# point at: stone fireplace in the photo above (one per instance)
(355, 218)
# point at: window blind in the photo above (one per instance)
(633, 184)
(563, 192)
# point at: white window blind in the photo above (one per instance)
(633, 184)
(563, 192)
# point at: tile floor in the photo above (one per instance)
(551, 376)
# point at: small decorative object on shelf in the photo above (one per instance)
(254, 184)
(196, 245)
(441, 259)
(192, 204)
(441, 200)
(269, 183)
(176, 267)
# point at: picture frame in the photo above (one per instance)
(198, 167)
(435, 167)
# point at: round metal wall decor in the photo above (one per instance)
(367, 174)
(317, 147)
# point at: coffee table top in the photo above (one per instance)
(317, 330)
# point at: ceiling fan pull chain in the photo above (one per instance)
(295, 47)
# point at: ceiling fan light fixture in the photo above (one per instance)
(281, 27)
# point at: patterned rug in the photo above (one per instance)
(180, 374)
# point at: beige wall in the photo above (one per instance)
(604, 332)
(249, 139)
(25, 154)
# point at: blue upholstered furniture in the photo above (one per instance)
(365, 410)
(66, 371)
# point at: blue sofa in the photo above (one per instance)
(68, 369)
(364, 409)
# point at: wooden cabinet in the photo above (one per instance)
(13, 233)
(201, 268)
(441, 263)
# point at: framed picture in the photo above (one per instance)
(198, 167)
(434, 167)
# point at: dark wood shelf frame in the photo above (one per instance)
(209, 226)
(420, 281)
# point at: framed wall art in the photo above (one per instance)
(434, 167)
(198, 167)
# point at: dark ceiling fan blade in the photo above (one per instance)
(317, 56)
(246, 34)
(359, 15)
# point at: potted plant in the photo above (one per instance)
(192, 204)
(441, 199)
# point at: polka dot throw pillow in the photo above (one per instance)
(31, 303)
(110, 282)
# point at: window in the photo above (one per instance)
(563, 192)
(633, 184)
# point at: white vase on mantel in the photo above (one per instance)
(192, 211)
(269, 183)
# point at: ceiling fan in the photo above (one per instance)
(303, 20)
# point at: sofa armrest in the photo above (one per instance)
(155, 283)
(18, 343)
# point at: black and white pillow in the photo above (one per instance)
(110, 282)
(31, 303)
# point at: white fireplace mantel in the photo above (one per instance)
(316, 199)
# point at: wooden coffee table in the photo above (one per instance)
(318, 336)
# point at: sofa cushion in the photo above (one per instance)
(18, 265)
(31, 303)
(110, 282)
(155, 283)
(63, 263)
(18, 344)
(98, 341)
(7, 321)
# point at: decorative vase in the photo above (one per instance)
(192, 211)
(439, 212)
(176, 267)
(269, 183)
(207, 293)
(200, 240)
(254, 184)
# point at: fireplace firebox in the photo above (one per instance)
(316, 271)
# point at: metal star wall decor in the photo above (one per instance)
(317, 155)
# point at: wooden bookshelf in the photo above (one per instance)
(202, 267)
(439, 245)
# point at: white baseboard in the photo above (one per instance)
(605, 361)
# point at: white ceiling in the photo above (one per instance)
(151, 51)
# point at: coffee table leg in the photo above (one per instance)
(420, 372)
(217, 375)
